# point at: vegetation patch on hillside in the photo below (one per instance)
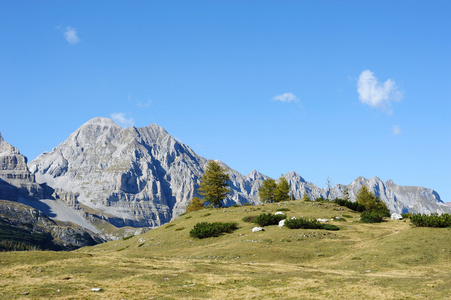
(205, 230)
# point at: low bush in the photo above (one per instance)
(330, 227)
(303, 224)
(433, 220)
(407, 215)
(309, 224)
(283, 209)
(349, 204)
(374, 216)
(268, 219)
(249, 219)
(321, 199)
(205, 230)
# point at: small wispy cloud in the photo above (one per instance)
(70, 34)
(287, 97)
(396, 130)
(375, 94)
(122, 120)
(144, 104)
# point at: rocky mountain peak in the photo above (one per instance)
(294, 176)
(13, 165)
(6, 148)
(255, 175)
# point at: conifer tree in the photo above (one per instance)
(282, 193)
(213, 184)
(195, 204)
(370, 201)
(267, 191)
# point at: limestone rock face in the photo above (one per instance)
(136, 176)
(15, 178)
(399, 199)
(143, 177)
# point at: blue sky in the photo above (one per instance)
(335, 89)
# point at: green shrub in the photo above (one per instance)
(321, 199)
(303, 223)
(127, 237)
(205, 230)
(433, 220)
(283, 209)
(351, 205)
(268, 219)
(330, 227)
(374, 216)
(339, 219)
(407, 215)
(249, 219)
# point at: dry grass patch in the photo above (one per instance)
(390, 260)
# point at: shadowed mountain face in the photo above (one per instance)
(30, 226)
(144, 177)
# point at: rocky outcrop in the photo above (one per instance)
(23, 227)
(15, 178)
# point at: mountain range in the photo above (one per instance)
(103, 176)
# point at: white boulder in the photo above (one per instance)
(279, 213)
(395, 216)
(322, 220)
(256, 229)
(282, 223)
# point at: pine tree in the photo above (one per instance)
(282, 193)
(195, 204)
(267, 191)
(213, 184)
(370, 201)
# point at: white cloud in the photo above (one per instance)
(287, 97)
(396, 130)
(71, 35)
(122, 120)
(375, 94)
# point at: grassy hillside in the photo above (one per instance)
(360, 261)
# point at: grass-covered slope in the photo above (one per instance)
(360, 261)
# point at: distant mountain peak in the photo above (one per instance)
(293, 175)
(100, 121)
(255, 175)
